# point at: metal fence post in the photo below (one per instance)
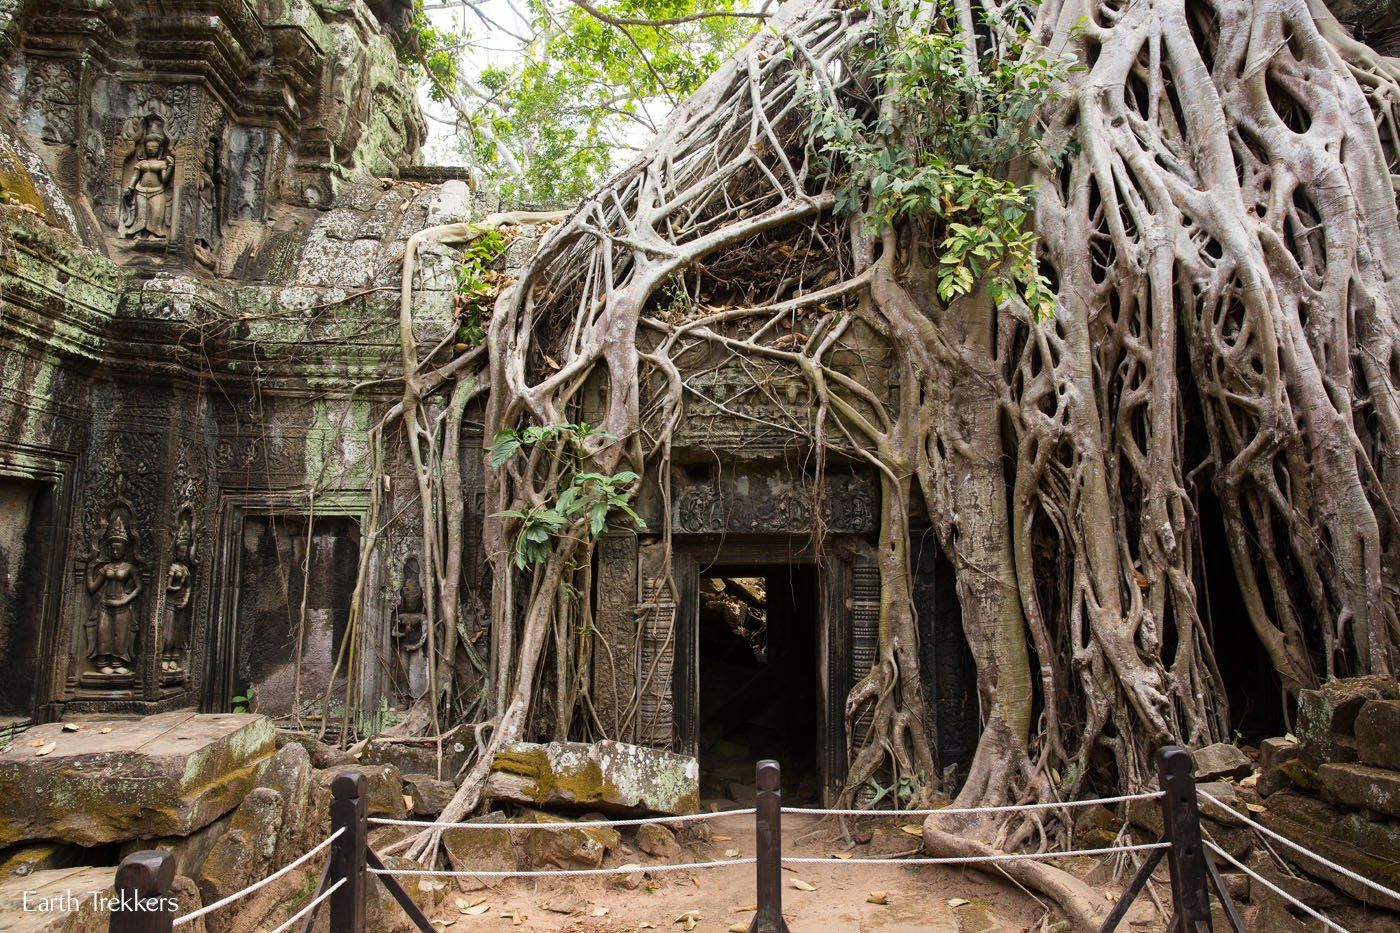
(143, 903)
(768, 852)
(1181, 820)
(347, 860)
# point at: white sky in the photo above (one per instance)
(489, 24)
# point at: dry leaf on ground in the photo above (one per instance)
(878, 897)
(801, 885)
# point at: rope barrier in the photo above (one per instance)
(1346, 872)
(580, 824)
(1273, 887)
(958, 811)
(317, 901)
(560, 872)
(970, 859)
(290, 866)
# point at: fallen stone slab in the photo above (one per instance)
(1362, 787)
(1274, 755)
(481, 849)
(384, 796)
(322, 755)
(384, 915)
(658, 841)
(415, 757)
(614, 777)
(429, 795)
(164, 775)
(57, 900)
(289, 773)
(1378, 734)
(1368, 848)
(41, 856)
(1326, 726)
(576, 847)
(1220, 760)
(189, 851)
(243, 854)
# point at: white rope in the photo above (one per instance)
(971, 859)
(1272, 887)
(581, 824)
(290, 866)
(561, 872)
(319, 899)
(1346, 872)
(955, 811)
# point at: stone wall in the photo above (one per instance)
(1334, 785)
(198, 322)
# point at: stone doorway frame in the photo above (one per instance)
(834, 564)
(53, 470)
(221, 640)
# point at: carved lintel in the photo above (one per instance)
(766, 502)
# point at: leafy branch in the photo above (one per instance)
(585, 498)
(932, 143)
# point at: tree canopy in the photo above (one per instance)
(582, 88)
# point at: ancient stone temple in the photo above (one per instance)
(202, 209)
(206, 206)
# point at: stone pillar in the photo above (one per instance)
(614, 657)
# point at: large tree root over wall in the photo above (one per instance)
(1222, 241)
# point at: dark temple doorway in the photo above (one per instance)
(295, 586)
(759, 633)
(26, 536)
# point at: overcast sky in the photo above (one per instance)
(489, 24)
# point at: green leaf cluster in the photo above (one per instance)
(475, 288)
(585, 498)
(584, 94)
(933, 140)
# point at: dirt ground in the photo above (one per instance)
(925, 898)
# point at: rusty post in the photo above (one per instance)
(142, 900)
(1181, 820)
(768, 868)
(349, 812)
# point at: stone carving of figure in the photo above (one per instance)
(179, 588)
(209, 224)
(51, 94)
(410, 630)
(113, 584)
(147, 186)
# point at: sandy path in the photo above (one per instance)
(917, 896)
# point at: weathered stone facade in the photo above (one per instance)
(201, 231)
